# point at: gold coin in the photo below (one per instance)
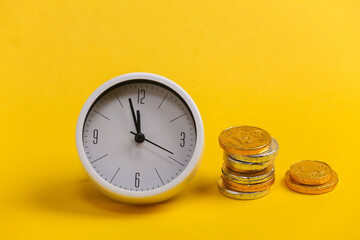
(312, 189)
(240, 195)
(247, 178)
(266, 156)
(310, 172)
(249, 187)
(244, 140)
(241, 166)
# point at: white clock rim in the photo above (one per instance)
(184, 175)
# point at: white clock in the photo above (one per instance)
(140, 138)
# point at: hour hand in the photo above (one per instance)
(138, 121)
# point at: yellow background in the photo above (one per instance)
(290, 67)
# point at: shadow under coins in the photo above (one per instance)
(201, 189)
(207, 186)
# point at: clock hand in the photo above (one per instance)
(133, 114)
(138, 121)
(147, 140)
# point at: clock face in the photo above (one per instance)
(139, 135)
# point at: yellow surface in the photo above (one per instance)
(289, 67)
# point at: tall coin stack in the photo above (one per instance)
(248, 170)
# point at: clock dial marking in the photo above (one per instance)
(162, 101)
(159, 176)
(99, 158)
(115, 174)
(178, 117)
(118, 100)
(102, 115)
(177, 161)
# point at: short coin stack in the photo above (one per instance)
(311, 177)
(248, 168)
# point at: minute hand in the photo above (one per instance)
(136, 121)
(154, 144)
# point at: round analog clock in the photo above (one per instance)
(140, 138)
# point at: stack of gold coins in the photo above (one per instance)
(311, 177)
(248, 169)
